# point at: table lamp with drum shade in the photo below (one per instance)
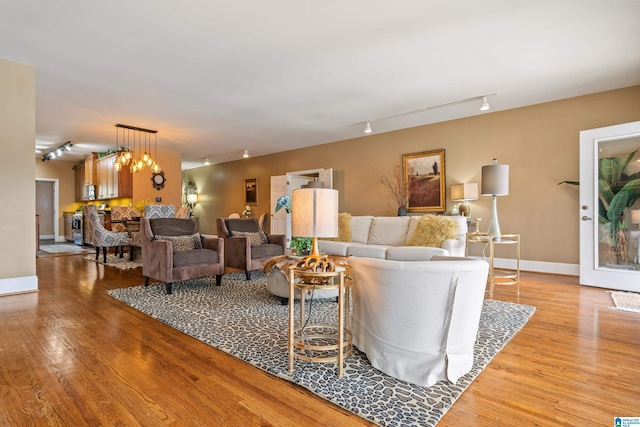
(314, 213)
(495, 182)
(463, 193)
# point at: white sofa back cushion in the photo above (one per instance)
(389, 230)
(360, 226)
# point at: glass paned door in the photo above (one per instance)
(610, 207)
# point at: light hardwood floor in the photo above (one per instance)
(71, 355)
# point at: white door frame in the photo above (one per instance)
(56, 208)
(591, 274)
(294, 180)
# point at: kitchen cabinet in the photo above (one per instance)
(90, 169)
(113, 184)
(81, 188)
(85, 174)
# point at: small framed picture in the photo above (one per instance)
(424, 178)
(251, 191)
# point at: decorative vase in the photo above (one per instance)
(618, 247)
(402, 211)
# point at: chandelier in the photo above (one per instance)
(134, 146)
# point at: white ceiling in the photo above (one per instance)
(214, 77)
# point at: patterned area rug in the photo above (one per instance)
(63, 248)
(116, 261)
(626, 301)
(243, 319)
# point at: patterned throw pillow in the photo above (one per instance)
(256, 238)
(159, 211)
(183, 243)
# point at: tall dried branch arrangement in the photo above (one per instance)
(396, 186)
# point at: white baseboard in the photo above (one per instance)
(18, 285)
(537, 266)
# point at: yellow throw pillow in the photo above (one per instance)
(432, 230)
(344, 228)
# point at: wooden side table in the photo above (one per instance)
(320, 342)
(498, 276)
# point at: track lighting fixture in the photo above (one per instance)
(485, 104)
(483, 107)
(246, 153)
(57, 152)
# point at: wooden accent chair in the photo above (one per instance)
(173, 250)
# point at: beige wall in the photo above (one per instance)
(17, 139)
(171, 194)
(540, 143)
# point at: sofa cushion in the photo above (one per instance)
(367, 251)
(267, 250)
(416, 253)
(432, 230)
(173, 226)
(413, 224)
(183, 243)
(388, 230)
(242, 224)
(193, 257)
(256, 238)
(360, 226)
(333, 247)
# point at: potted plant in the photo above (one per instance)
(395, 185)
(302, 245)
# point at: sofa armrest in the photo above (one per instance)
(455, 247)
(237, 252)
(157, 259)
(277, 239)
(215, 244)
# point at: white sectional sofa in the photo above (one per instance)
(387, 237)
(418, 321)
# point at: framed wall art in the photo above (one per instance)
(424, 180)
(251, 191)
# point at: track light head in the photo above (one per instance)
(367, 129)
(246, 153)
(485, 104)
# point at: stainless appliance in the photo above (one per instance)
(77, 226)
(91, 192)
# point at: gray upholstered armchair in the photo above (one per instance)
(173, 250)
(100, 237)
(246, 247)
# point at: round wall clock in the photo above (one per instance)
(158, 180)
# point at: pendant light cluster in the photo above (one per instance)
(134, 145)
